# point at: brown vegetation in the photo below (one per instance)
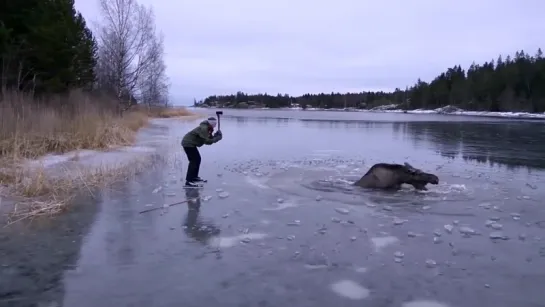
(30, 129)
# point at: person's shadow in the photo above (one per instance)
(194, 227)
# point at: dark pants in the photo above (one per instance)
(194, 158)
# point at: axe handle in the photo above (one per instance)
(219, 123)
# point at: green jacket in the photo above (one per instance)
(200, 136)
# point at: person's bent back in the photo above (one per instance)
(201, 135)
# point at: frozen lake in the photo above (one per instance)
(279, 223)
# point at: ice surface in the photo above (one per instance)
(360, 270)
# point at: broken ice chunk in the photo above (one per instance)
(157, 190)
(431, 263)
(448, 228)
(223, 195)
(498, 235)
(485, 205)
(342, 210)
(398, 221)
(335, 220)
(496, 226)
(294, 223)
(467, 230)
(319, 198)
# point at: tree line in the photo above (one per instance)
(47, 48)
(511, 83)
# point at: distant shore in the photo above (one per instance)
(447, 110)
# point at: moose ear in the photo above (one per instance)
(408, 165)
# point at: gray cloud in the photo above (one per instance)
(295, 47)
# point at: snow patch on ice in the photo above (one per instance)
(350, 289)
(282, 206)
(381, 242)
(226, 242)
(256, 183)
(447, 110)
(91, 157)
(424, 303)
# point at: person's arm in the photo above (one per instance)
(203, 133)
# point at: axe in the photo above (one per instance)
(218, 113)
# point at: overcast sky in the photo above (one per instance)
(300, 46)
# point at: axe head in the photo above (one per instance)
(219, 112)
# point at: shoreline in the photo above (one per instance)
(48, 183)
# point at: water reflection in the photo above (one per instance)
(509, 143)
(243, 121)
(496, 142)
(194, 226)
(35, 255)
(122, 240)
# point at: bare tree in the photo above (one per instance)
(130, 51)
(154, 85)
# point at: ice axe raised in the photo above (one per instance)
(218, 113)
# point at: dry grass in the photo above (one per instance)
(30, 129)
(161, 112)
(41, 194)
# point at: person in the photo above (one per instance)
(202, 135)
